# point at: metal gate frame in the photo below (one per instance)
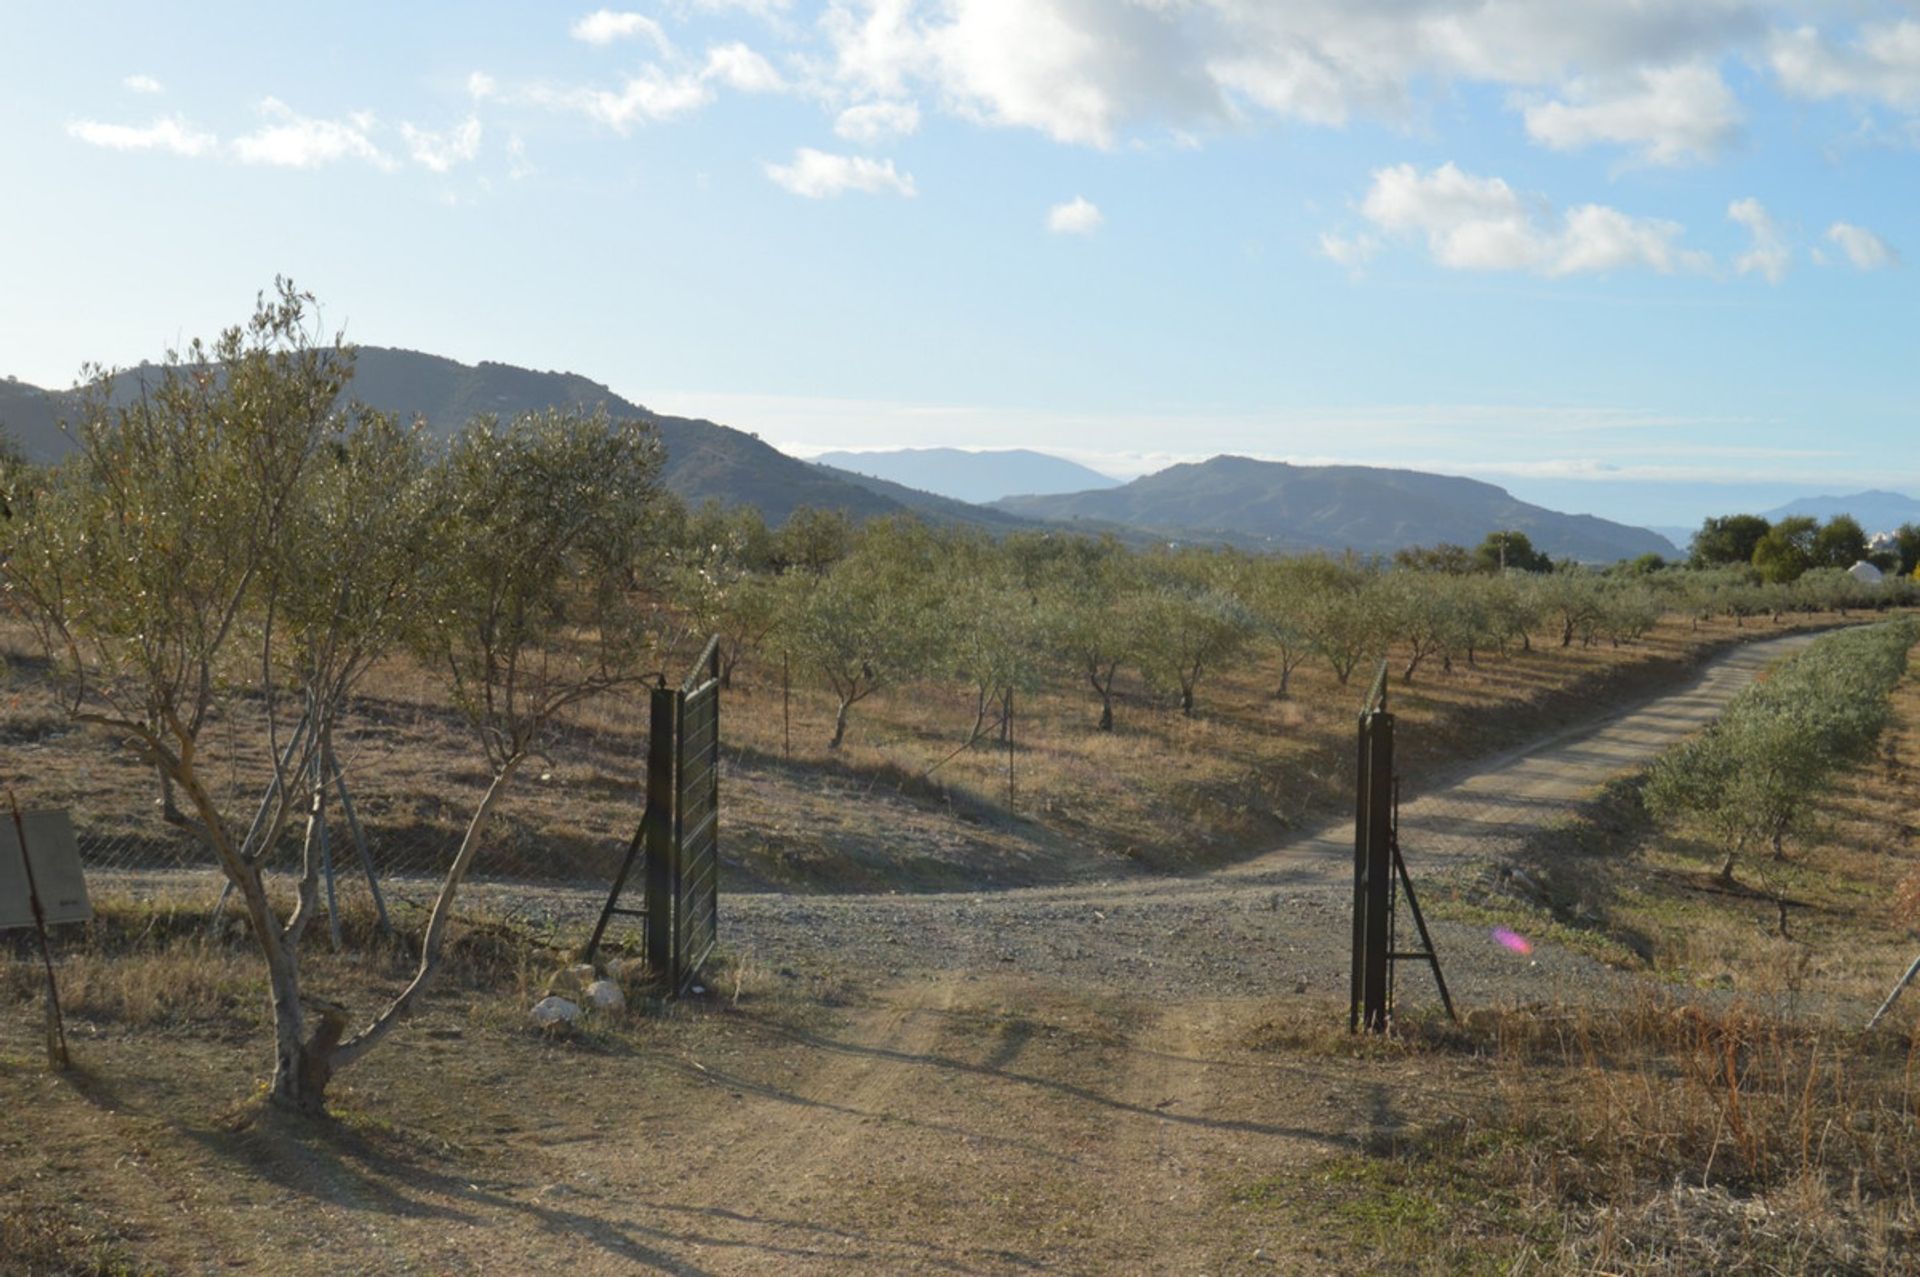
(1378, 868)
(678, 838)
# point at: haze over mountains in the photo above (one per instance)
(1363, 508)
(1251, 503)
(966, 475)
(1876, 511)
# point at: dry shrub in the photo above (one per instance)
(1663, 1132)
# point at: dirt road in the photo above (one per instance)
(1077, 1079)
(1138, 1076)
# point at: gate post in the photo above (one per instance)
(1372, 874)
(662, 787)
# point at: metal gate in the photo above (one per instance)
(1378, 869)
(679, 834)
(685, 894)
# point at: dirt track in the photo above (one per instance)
(1071, 1079)
(1263, 926)
(1109, 1077)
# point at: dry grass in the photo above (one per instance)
(1161, 792)
(1655, 1136)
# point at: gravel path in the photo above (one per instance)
(1277, 923)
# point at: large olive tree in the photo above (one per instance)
(227, 534)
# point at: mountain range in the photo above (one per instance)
(967, 475)
(1876, 511)
(1258, 504)
(1364, 508)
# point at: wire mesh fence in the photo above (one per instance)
(413, 769)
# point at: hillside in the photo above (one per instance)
(1360, 508)
(705, 460)
(1877, 511)
(972, 476)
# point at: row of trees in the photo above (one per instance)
(1783, 551)
(895, 601)
(243, 533)
(1751, 779)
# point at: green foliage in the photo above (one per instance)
(1187, 621)
(546, 522)
(1728, 539)
(1840, 543)
(1786, 550)
(873, 616)
(1750, 779)
(1504, 551)
(1906, 542)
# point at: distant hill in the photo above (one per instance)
(1682, 538)
(1876, 511)
(972, 476)
(1361, 508)
(704, 460)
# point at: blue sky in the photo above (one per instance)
(1641, 257)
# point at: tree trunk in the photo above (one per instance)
(1106, 710)
(839, 724)
(325, 1054)
(1726, 868)
(1186, 699)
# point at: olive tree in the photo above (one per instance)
(871, 617)
(231, 530)
(1088, 619)
(1184, 629)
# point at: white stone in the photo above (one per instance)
(605, 995)
(582, 974)
(554, 1010)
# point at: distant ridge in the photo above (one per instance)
(976, 476)
(1877, 511)
(1362, 508)
(704, 460)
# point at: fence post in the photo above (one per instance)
(664, 714)
(1373, 874)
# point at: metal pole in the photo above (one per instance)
(1359, 882)
(658, 830)
(1379, 871)
(1893, 997)
(57, 1058)
(1009, 749)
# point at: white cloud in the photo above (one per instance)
(441, 151)
(1673, 114)
(1866, 250)
(1078, 216)
(481, 86)
(291, 140)
(1351, 251)
(604, 26)
(1882, 64)
(649, 97)
(872, 122)
(1476, 223)
(172, 134)
(1085, 71)
(819, 175)
(143, 84)
(738, 67)
(1769, 255)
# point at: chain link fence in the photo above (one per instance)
(414, 773)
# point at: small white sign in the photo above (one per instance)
(56, 871)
